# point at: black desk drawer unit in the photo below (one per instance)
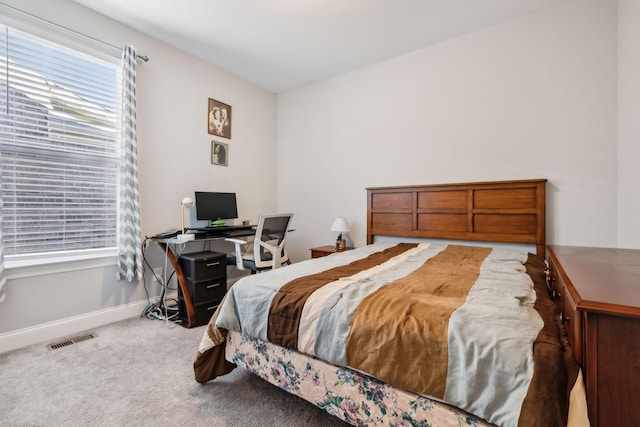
(206, 276)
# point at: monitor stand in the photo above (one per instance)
(217, 223)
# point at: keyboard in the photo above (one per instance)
(238, 233)
(225, 228)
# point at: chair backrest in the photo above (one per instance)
(271, 234)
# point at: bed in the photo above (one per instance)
(413, 331)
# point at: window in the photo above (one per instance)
(59, 147)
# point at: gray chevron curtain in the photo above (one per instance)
(3, 279)
(129, 239)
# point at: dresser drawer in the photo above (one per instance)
(556, 285)
(203, 312)
(567, 306)
(203, 265)
(207, 290)
(573, 324)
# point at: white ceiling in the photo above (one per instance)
(284, 44)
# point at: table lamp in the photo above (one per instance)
(340, 225)
(187, 202)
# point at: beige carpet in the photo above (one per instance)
(138, 372)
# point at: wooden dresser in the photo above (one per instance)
(598, 293)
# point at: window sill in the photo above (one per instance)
(18, 268)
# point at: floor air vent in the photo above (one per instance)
(69, 341)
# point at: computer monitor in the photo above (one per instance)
(215, 207)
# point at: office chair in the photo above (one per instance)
(268, 245)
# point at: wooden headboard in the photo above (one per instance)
(500, 211)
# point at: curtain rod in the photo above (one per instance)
(143, 58)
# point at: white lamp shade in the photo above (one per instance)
(187, 202)
(340, 224)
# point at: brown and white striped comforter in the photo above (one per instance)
(472, 326)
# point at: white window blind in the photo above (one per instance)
(59, 147)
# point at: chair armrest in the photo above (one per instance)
(236, 241)
(238, 253)
(276, 253)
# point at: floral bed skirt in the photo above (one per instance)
(349, 395)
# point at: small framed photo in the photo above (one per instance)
(219, 153)
(219, 119)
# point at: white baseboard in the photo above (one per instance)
(72, 325)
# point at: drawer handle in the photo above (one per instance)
(213, 286)
(212, 264)
(213, 307)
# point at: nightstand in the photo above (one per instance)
(326, 250)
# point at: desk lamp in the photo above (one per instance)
(187, 202)
(340, 225)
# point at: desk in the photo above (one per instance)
(173, 249)
(222, 232)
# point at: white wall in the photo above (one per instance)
(534, 97)
(629, 124)
(530, 98)
(174, 160)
